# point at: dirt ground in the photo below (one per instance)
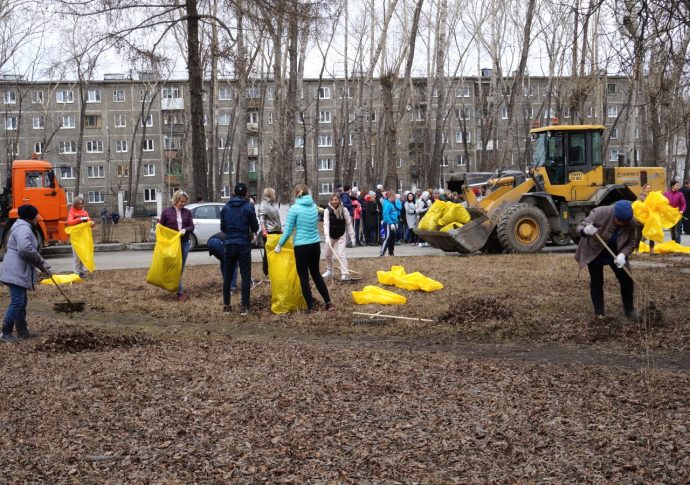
(513, 381)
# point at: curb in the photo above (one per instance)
(67, 249)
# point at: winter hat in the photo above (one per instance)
(425, 195)
(379, 187)
(372, 193)
(622, 210)
(27, 211)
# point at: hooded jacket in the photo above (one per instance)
(390, 213)
(303, 218)
(238, 221)
(21, 257)
(602, 218)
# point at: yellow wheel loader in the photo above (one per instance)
(521, 211)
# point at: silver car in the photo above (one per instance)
(206, 217)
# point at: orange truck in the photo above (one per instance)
(34, 182)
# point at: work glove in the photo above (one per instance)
(620, 260)
(277, 250)
(589, 230)
(393, 227)
(84, 219)
(46, 270)
(183, 231)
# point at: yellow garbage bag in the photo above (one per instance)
(374, 294)
(63, 279)
(286, 292)
(166, 265)
(411, 282)
(655, 214)
(454, 213)
(430, 220)
(81, 239)
(450, 226)
(667, 247)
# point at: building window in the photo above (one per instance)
(64, 96)
(70, 197)
(94, 146)
(325, 141)
(299, 165)
(149, 170)
(253, 116)
(119, 96)
(227, 167)
(324, 93)
(444, 161)
(611, 88)
(37, 97)
(612, 112)
(123, 171)
(252, 142)
(38, 147)
(172, 143)
(224, 119)
(93, 96)
(96, 197)
(591, 113)
(253, 92)
(225, 94)
(566, 112)
(373, 116)
(399, 163)
(10, 122)
(529, 112)
(299, 141)
(225, 192)
(144, 95)
(149, 121)
(95, 171)
(121, 146)
(176, 119)
(326, 188)
(10, 97)
(67, 173)
(504, 113)
(463, 113)
(147, 145)
(171, 92)
(461, 135)
(269, 94)
(461, 160)
(324, 116)
(637, 133)
(462, 92)
(528, 91)
(120, 121)
(222, 143)
(613, 155)
(270, 117)
(92, 121)
(348, 93)
(149, 195)
(68, 121)
(325, 164)
(614, 133)
(67, 147)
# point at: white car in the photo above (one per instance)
(206, 217)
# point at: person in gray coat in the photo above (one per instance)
(269, 221)
(18, 271)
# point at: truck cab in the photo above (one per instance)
(34, 182)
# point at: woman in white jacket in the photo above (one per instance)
(423, 204)
(336, 221)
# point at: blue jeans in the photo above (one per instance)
(238, 254)
(16, 311)
(185, 252)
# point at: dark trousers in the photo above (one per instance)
(596, 287)
(234, 254)
(307, 259)
(371, 234)
(686, 222)
(16, 311)
(358, 236)
(675, 231)
(389, 239)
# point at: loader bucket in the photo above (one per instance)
(467, 239)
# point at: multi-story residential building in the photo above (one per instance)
(137, 132)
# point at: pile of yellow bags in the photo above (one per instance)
(166, 265)
(374, 294)
(444, 216)
(667, 247)
(655, 214)
(286, 292)
(411, 282)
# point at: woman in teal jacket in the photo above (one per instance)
(390, 221)
(303, 219)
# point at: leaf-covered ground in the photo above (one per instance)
(140, 388)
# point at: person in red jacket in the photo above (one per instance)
(676, 199)
(77, 215)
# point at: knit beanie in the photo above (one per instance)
(27, 211)
(622, 210)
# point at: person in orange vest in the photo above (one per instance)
(77, 215)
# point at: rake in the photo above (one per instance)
(68, 306)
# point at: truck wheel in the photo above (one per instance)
(193, 242)
(523, 228)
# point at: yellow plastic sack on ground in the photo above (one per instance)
(374, 294)
(667, 247)
(81, 239)
(454, 213)
(452, 225)
(411, 282)
(286, 292)
(63, 279)
(655, 214)
(166, 265)
(430, 220)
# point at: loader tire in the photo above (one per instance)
(523, 228)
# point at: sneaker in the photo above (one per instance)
(632, 315)
(8, 337)
(330, 307)
(244, 312)
(327, 274)
(182, 297)
(226, 309)
(345, 278)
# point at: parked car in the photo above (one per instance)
(206, 216)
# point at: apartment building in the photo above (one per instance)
(136, 131)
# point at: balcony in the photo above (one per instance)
(253, 102)
(251, 176)
(172, 103)
(170, 179)
(414, 172)
(252, 152)
(252, 126)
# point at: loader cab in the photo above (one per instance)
(569, 158)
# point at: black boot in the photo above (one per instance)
(23, 332)
(7, 333)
